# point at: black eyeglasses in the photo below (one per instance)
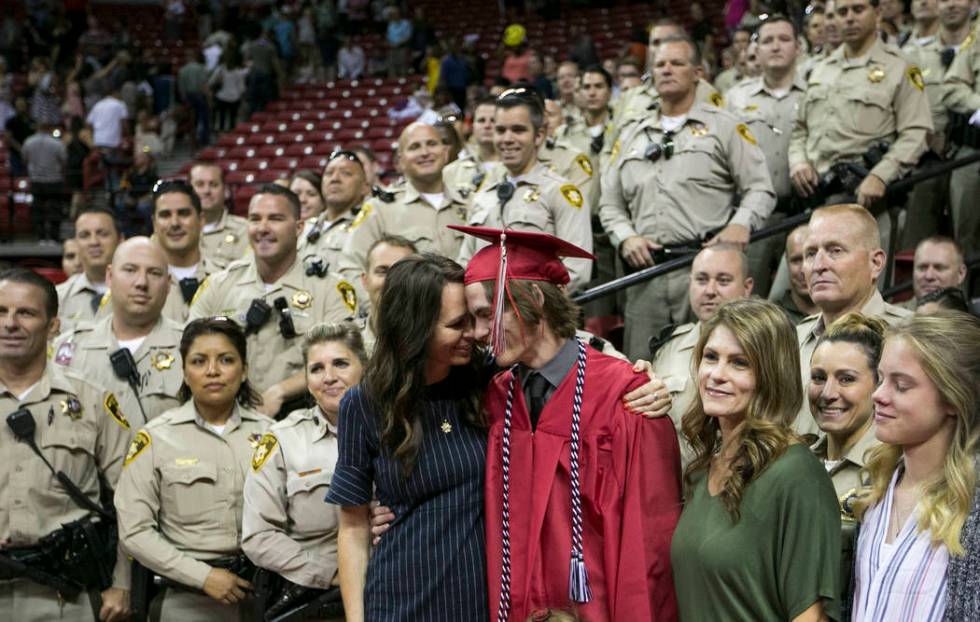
(654, 151)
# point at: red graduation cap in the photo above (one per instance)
(524, 255)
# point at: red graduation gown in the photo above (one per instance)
(631, 499)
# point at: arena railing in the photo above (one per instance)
(646, 274)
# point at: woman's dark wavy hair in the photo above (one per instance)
(407, 314)
(247, 396)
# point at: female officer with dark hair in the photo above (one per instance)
(179, 499)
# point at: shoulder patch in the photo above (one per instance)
(970, 38)
(362, 214)
(717, 99)
(264, 449)
(106, 297)
(348, 295)
(586, 165)
(915, 77)
(111, 405)
(200, 288)
(136, 447)
(572, 195)
(743, 131)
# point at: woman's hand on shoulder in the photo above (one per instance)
(652, 400)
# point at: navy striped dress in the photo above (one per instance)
(430, 565)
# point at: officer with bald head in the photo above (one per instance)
(719, 273)
(134, 351)
(419, 210)
(842, 261)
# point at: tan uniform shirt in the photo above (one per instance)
(961, 84)
(81, 430)
(727, 79)
(808, 332)
(86, 350)
(928, 58)
(770, 116)
(846, 472)
(179, 499)
(409, 216)
(570, 163)
(310, 299)
(79, 301)
(325, 239)
(287, 527)
(679, 199)
(463, 174)
(851, 105)
(226, 241)
(673, 365)
(638, 103)
(176, 307)
(544, 202)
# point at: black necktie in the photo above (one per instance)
(537, 387)
(95, 302)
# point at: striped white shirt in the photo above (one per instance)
(901, 581)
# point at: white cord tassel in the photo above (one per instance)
(497, 341)
(578, 581)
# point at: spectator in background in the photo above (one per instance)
(134, 207)
(813, 29)
(357, 15)
(538, 78)
(47, 160)
(228, 83)
(517, 56)
(71, 262)
(351, 61)
(702, 32)
(108, 121)
(637, 47)
(398, 35)
(476, 65)
(285, 32)
(173, 19)
(629, 73)
(938, 265)
(17, 129)
(262, 84)
(148, 135)
(582, 51)
(45, 106)
(78, 144)
(423, 36)
(96, 43)
(307, 43)
(192, 85)
(454, 73)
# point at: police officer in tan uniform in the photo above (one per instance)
(177, 223)
(286, 528)
(80, 429)
(863, 94)
(539, 200)
(179, 497)
(961, 95)
(467, 173)
(138, 283)
(80, 297)
(225, 236)
(719, 274)
(639, 102)
(344, 187)
(419, 210)
(933, 55)
(767, 103)
(383, 254)
(672, 187)
(563, 159)
(843, 261)
(275, 297)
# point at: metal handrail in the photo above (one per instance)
(788, 224)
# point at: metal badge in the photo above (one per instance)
(532, 195)
(230, 238)
(302, 299)
(876, 75)
(253, 440)
(163, 360)
(72, 408)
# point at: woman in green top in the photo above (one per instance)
(759, 538)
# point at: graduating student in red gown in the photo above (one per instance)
(581, 497)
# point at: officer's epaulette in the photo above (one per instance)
(666, 334)
(597, 343)
(385, 196)
(237, 265)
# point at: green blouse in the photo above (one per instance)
(779, 558)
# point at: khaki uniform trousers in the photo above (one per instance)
(653, 305)
(177, 605)
(25, 601)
